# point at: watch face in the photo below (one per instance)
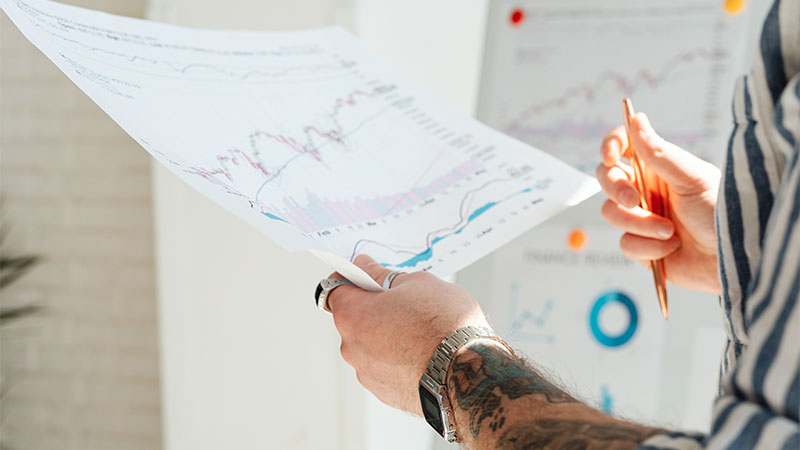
(431, 409)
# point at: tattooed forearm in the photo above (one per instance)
(574, 434)
(502, 402)
(484, 375)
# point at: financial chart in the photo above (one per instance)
(571, 62)
(308, 136)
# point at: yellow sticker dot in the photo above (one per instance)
(734, 6)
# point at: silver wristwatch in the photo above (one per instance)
(436, 406)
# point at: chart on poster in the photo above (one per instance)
(309, 137)
(554, 75)
(556, 71)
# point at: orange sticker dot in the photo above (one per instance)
(576, 240)
(734, 6)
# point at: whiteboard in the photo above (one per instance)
(554, 74)
(555, 71)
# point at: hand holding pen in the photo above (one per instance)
(686, 239)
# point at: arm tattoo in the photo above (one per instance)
(573, 434)
(484, 377)
(479, 387)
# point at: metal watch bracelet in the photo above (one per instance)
(443, 356)
(432, 387)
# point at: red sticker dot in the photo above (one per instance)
(517, 16)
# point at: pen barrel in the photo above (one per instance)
(658, 197)
(653, 197)
(660, 279)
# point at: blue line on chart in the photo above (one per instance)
(427, 236)
(527, 316)
(427, 254)
(461, 209)
(518, 319)
(274, 217)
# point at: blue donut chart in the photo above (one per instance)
(604, 300)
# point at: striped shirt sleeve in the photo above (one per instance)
(759, 230)
(759, 405)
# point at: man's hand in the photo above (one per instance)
(687, 240)
(389, 337)
(499, 401)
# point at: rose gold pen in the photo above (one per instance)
(653, 197)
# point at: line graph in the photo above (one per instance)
(622, 84)
(320, 213)
(331, 151)
(415, 255)
(297, 147)
(556, 81)
(424, 252)
(528, 324)
(199, 67)
(591, 131)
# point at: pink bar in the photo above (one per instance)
(357, 215)
(364, 211)
(343, 213)
(303, 218)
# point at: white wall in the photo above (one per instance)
(437, 44)
(82, 373)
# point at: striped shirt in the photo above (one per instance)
(758, 229)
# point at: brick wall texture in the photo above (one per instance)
(82, 373)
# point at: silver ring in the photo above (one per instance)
(387, 282)
(324, 289)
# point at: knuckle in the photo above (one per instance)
(627, 243)
(422, 276)
(608, 209)
(623, 242)
(607, 141)
(333, 299)
(361, 259)
(346, 353)
(672, 244)
(342, 321)
(654, 147)
(362, 379)
(600, 172)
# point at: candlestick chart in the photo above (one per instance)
(307, 136)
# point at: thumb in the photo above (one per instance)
(371, 267)
(685, 173)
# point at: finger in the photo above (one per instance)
(373, 269)
(647, 249)
(637, 221)
(684, 172)
(615, 183)
(343, 296)
(614, 146)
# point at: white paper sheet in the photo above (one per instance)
(309, 137)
